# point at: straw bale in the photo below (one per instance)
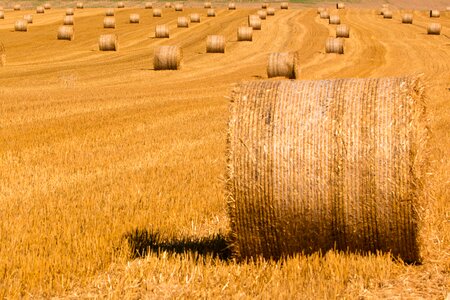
(109, 12)
(68, 20)
(342, 31)
(270, 11)
(281, 64)
(178, 7)
(245, 33)
(47, 6)
(182, 22)
(40, 10)
(167, 58)
(434, 28)
(120, 4)
(334, 45)
(284, 5)
(195, 18)
(65, 33)
(262, 14)
(254, 21)
(21, 25)
(109, 22)
(211, 12)
(17, 7)
(340, 5)
(407, 18)
(387, 14)
(324, 14)
(215, 44)
(148, 5)
(69, 12)
(207, 5)
(162, 31)
(134, 18)
(231, 6)
(434, 13)
(28, 18)
(334, 19)
(108, 42)
(157, 12)
(80, 5)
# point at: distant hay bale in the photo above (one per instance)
(244, 33)
(68, 20)
(134, 18)
(231, 6)
(215, 44)
(262, 14)
(195, 18)
(264, 5)
(182, 22)
(448, 8)
(281, 64)
(434, 13)
(207, 5)
(2, 14)
(80, 5)
(47, 6)
(168, 5)
(120, 4)
(334, 19)
(385, 5)
(329, 164)
(167, 58)
(387, 14)
(157, 12)
(254, 21)
(148, 5)
(334, 45)
(270, 11)
(17, 7)
(211, 12)
(28, 18)
(342, 31)
(340, 5)
(407, 18)
(162, 31)
(109, 22)
(320, 9)
(21, 25)
(40, 10)
(324, 14)
(109, 12)
(65, 33)
(434, 28)
(69, 12)
(108, 42)
(284, 5)
(2, 53)
(178, 7)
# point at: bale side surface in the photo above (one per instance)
(332, 164)
(68, 20)
(342, 31)
(167, 58)
(162, 31)
(254, 21)
(182, 22)
(21, 25)
(245, 33)
(157, 12)
(407, 19)
(434, 28)
(334, 45)
(69, 12)
(65, 33)
(109, 22)
(108, 42)
(281, 65)
(215, 44)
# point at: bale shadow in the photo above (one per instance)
(143, 242)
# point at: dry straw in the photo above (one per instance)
(168, 5)
(134, 18)
(434, 13)
(334, 19)
(284, 5)
(21, 25)
(68, 20)
(109, 12)
(108, 42)
(387, 14)
(120, 4)
(215, 44)
(69, 12)
(2, 14)
(40, 10)
(342, 31)
(178, 7)
(254, 21)
(434, 28)
(264, 5)
(47, 6)
(334, 45)
(28, 18)
(109, 22)
(324, 14)
(331, 164)
(162, 31)
(320, 9)
(211, 12)
(17, 7)
(80, 5)
(167, 58)
(207, 5)
(407, 18)
(65, 33)
(183, 22)
(2, 54)
(270, 11)
(148, 5)
(262, 14)
(245, 33)
(281, 65)
(340, 5)
(231, 6)
(195, 18)
(157, 12)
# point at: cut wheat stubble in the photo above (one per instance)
(66, 33)
(2, 54)
(281, 64)
(167, 58)
(245, 33)
(215, 44)
(162, 31)
(108, 42)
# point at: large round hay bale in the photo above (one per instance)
(281, 65)
(254, 22)
(167, 58)
(331, 164)
(387, 14)
(207, 5)
(324, 14)
(407, 19)
(262, 14)
(162, 31)
(342, 31)
(334, 45)
(264, 5)
(178, 7)
(28, 18)
(109, 12)
(231, 6)
(80, 5)
(195, 18)
(2, 14)
(120, 4)
(65, 33)
(47, 6)
(109, 22)
(68, 20)
(108, 42)
(211, 12)
(69, 12)
(245, 33)
(434, 28)
(182, 22)
(157, 12)
(134, 18)
(16, 7)
(284, 5)
(148, 5)
(40, 10)
(334, 19)
(215, 44)
(168, 5)
(340, 5)
(21, 25)
(434, 13)
(270, 11)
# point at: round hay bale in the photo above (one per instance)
(262, 14)
(434, 28)
(281, 65)
(387, 14)
(207, 5)
(21, 25)
(211, 12)
(334, 45)
(120, 4)
(328, 164)
(178, 7)
(17, 7)
(264, 5)
(134, 18)
(40, 10)
(434, 13)
(324, 14)
(385, 5)
(340, 5)
(245, 33)
(80, 5)
(284, 5)
(68, 20)
(2, 14)
(157, 12)
(109, 12)
(320, 9)
(215, 44)
(168, 5)
(109, 22)
(1, 8)
(195, 18)
(148, 5)
(69, 12)
(448, 8)
(108, 42)
(65, 33)
(167, 58)
(2, 53)
(231, 6)
(28, 18)
(182, 22)
(162, 31)
(407, 19)
(334, 19)
(47, 6)
(342, 31)
(254, 22)
(270, 11)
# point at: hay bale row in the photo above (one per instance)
(108, 42)
(109, 22)
(215, 44)
(134, 18)
(281, 65)
(80, 5)
(157, 12)
(120, 4)
(167, 58)
(68, 20)
(434, 28)
(245, 33)
(69, 12)
(334, 45)
(211, 12)
(40, 10)
(254, 22)
(231, 6)
(434, 13)
(334, 19)
(182, 22)
(195, 18)
(262, 14)
(407, 19)
(311, 169)
(342, 31)
(284, 5)
(148, 5)
(270, 11)
(162, 31)
(28, 18)
(21, 25)
(109, 12)
(65, 33)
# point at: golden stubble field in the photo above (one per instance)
(101, 156)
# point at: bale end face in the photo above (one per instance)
(215, 44)
(167, 58)
(334, 45)
(108, 42)
(281, 65)
(65, 33)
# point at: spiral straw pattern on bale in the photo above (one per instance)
(207, 5)
(17, 7)
(120, 5)
(340, 5)
(178, 7)
(434, 28)
(21, 25)
(109, 12)
(387, 14)
(65, 33)
(40, 10)
(68, 20)
(167, 58)
(254, 22)
(281, 65)
(245, 33)
(334, 19)
(108, 42)
(324, 14)
(231, 6)
(80, 5)
(407, 19)
(211, 12)
(334, 45)
(162, 31)
(157, 12)
(215, 44)
(69, 12)
(333, 164)
(262, 14)
(47, 6)
(182, 22)
(284, 5)
(434, 13)
(148, 5)
(342, 31)
(28, 18)
(109, 22)
(270, 11)
(195, 18)
(134, 19)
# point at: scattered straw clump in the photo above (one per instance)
(65, 33)
(148, 5)
(281, 65)
(270, 11)
(195, 18)
(2, 55)
(407, 19)
(120, 4)
(434, 28)
(324, 14)
(340, 5)
(162, 31)
(254, 22)
(329, 164)
(17, 7)
(108, 42)
(387, 14)
(245, 33)
(434, 13)
(334, 19)
(215, 44)
(40, 10)
(182, 22)
(21, 25)
(28, 18)
(134, 18)
(342, 31)
(211, 12)
(207, 5)
(80, 5)
(334, 45)
(262, 14)
(69, 12)
(157, 12)
(109, 22)
(231, 6)
(109, 12)
(68, 20)
(47, 6)
(178, 7)
(167, 58)
(284, 5)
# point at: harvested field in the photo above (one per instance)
(113, 174)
